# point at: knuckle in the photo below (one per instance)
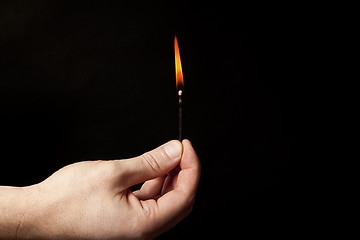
(150, 218)
(150, 160)
(103, 171)
(144, 225)
(150, 210)
(107, 172)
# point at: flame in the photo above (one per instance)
(178, 69)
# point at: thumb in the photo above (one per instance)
(152, 164)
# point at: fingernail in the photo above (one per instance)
(173, 149)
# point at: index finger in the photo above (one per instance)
(177, 203)
(189, 175)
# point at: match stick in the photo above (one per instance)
(179, 84)
(180, 114)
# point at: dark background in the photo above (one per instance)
(84, 80)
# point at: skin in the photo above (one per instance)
(92, 200)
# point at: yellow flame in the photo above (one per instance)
(178, 69)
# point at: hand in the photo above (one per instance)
(92, 200)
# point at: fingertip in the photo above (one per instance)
(187, 144)
(189, 157)
(188, 147)
(186, 141)
(173, 149)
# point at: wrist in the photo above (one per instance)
(13, 203)
(43, 216)
(34, 218)
(23, 209)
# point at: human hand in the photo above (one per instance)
(92, 200)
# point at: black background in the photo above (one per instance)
(84, 80)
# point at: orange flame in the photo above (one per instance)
(178, 69)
